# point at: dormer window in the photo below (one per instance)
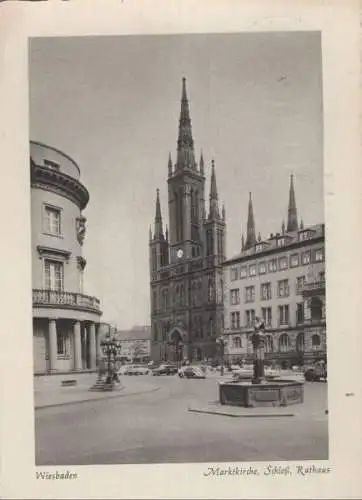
(280, 242)
(304, 235)
(259, 247)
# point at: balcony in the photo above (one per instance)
(65, 300)
(313, 288)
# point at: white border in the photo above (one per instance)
(339, 22)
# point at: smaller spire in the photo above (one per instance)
(214, 204)
(158, 218)
(301, 223)
(223, 212)
(169, 165)
(283, 227)
(150, 233)
(250, 231)
(259, 237)
(202, 171)
(292, 208)
(166, 235)
(242, 242)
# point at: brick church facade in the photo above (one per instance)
(186, 275)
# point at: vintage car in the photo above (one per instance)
(165, 369)
(134, 370)
(316, 373)
(191, 372)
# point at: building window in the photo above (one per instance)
(243, 272)
(235, 296)
(300, 313)
(250, 318)
(280, 242)
(283, 315)
(322, 276)
(283, 263)
(61, 342)
(284, 343)
(300, 342)
(305, 235)
(249, 294)
(266, 313)
(316, 309)
(154, 297)
(53, 275)
(262, 268)
(265, 291)
(52, 221)
(237, 343)
(211, 290)
(294, 260)
(252, 270)
(259, 247)
(272, 264)
(283, 288)
(316, 343)
(305, 258)
(235, 320)
(209, 242)
(300, 284)
(182, 295)
(319, 255)
(234, 273)
(269, 344)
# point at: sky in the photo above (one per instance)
(113, 104)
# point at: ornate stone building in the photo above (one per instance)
(282, 280)
(65, 320)
(186, 262)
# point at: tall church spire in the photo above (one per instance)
(214, 203)
(202, 167)
(158, 235)
(185, 143)
(250, 231)
(292, 208)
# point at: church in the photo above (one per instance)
(186, 274)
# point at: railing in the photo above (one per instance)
(313, 286)
(71, 300)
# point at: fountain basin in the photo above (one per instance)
(267, 393)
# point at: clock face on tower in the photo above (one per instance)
(180, 253)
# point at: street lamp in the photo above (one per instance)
(110, 348)
(221, 341)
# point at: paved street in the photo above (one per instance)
(157, 427)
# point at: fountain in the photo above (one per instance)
(259, 391)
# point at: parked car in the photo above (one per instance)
(134, 370)
(191, 372)
(316, 372)
(165, 369)
(247, 372)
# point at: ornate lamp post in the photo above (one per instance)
(221, 341)
(258, 341)
(110, 348)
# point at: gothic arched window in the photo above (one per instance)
(211, 290)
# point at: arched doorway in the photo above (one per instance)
(178, 344)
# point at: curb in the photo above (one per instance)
(233, 415)
(89, 400)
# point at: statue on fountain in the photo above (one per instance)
(258, 341)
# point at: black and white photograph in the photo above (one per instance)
(181, 245)
(178, 248)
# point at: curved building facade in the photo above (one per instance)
(65, 319)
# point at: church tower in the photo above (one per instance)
(186, 267)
